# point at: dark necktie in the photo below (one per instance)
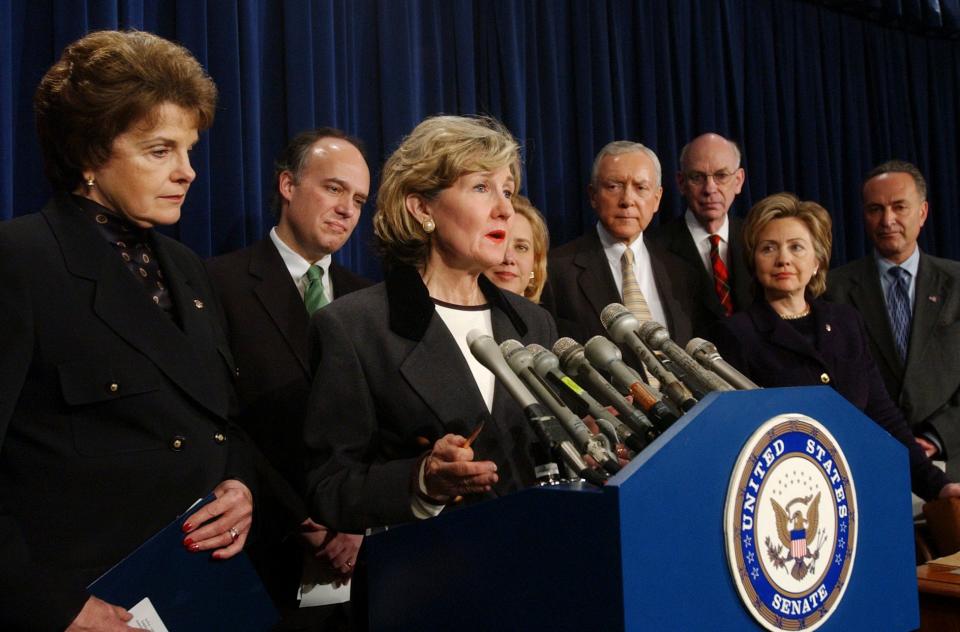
(898, 308)
(313, 295)
(721, 278)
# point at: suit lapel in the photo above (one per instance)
(595, 278)
(866, 295)
(439, 374)
(931, 291)
(125, 308)
(279, 296)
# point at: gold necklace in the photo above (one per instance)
(802, 314)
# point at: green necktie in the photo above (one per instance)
(313, 296)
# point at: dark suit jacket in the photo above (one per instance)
(388, 373)
(927, 389)
(581, 284)
(97, 383)
(771, 352)
(267, 327)
(675, 237)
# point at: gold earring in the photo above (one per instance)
(90, 182)
(428, 225)
(532, 275)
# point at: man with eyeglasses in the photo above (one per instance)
(707, 236)
(910, 303)
(614, 262)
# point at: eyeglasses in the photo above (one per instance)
(699, 178)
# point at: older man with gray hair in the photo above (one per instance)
(614, 262)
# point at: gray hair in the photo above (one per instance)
(901, 166)
(618, 147)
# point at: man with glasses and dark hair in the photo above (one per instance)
(708, 237)
(910, 303)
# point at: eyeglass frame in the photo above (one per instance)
(698, 178)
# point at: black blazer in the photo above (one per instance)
(388, 373)
(581, 284)
(927, 387)
(113, 415)
(676, 238)
(771, 352)
(267, 327)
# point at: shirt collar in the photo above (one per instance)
(911, 265)
(297, 266)
(700, 234)
(615, 248)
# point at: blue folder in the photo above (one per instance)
(190, 591)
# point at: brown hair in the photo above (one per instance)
(437, 152)
(293, 158)
(540, 245)
(104, 83)
(815, 218)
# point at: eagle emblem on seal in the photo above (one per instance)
(799, 535)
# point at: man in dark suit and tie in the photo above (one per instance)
(615, 262)
(707, 236)
(268, 291)
(910, 302)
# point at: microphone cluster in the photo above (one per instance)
(557, 388)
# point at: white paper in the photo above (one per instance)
(314, 592)
(145, 616)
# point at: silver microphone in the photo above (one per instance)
(658, 338)
(706, 354)
(623, 327)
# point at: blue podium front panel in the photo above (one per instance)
(648, 551)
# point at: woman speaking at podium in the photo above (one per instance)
(115, 379)
(396, 389)
(794, 338)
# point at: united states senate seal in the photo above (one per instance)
(790, 523)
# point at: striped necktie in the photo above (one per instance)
(898, 308)
(313, 295)
(634, 300)
(721, 278)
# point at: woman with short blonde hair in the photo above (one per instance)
(396, 389)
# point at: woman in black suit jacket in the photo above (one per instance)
(116, 377)
(793, 338)
(395, 388)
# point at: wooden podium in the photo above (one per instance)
(647, 551)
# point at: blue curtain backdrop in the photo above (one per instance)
(815, 92)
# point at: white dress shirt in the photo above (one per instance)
(642, 268)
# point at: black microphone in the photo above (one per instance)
(706, 354)
(548, 366)
(623, 327)
(658, 338)
(575, 363)
(521, 361)
(553, 439)
(605, 356)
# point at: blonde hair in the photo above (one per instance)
(540, 245)
(814, 217)
(430, 159)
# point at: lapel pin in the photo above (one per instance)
(198, 303)
(933, 299)
(828, 327)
